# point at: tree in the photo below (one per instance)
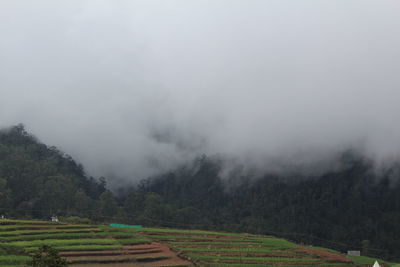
(4, 196)
(108, 204)
(82, 203)
(47, 256)
(38, 181)
(133, 205)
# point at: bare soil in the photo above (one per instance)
(327, 256)
(253, 254)
(270, 263)
(108, 252)
(143, 255)
(189, 235)
(220, 246)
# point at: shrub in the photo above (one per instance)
(47, 256)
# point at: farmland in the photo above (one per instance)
(91, 245)
(82, 245)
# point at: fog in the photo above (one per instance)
(134, 88)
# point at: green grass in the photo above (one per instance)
(131, 241)
(236, 250)
(81, 248)
(182, 231)
(13, 259)
(33, 227)
(30, 222)
(126, 259)
(65, 236)
(277, 242)
(216, 243)
(187, 237)
(367, 260)
(239, 258)
(56, 243)
(218, 264)
(48, 231)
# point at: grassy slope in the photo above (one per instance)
(20, 237)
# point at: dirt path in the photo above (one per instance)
(144, 255)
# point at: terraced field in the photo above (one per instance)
(82, 245)
(93, 245)
(226, 249)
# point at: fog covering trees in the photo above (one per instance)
(132, 89)
(40, 181)
(343, 209)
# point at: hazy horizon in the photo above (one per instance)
(134, 88)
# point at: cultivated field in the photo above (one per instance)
(94, 245)
(82, 245)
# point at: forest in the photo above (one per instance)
(352, 208)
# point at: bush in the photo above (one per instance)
(77, 220)
(47, 256)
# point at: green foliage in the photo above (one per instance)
(37, 181)
(338, 209)
(215, 243)
(11, 232)
(368, 260)
(13, 259)
(33, 227)
(52, 242)
(67, 235)
(277, 242)
(5, 196)
(131, 241)
(211, 248)
(47, 256)
(239, 258)
(81, 248)
(108, 205)
(77, 220)
(200, 246)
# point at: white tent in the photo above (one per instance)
(376, 264)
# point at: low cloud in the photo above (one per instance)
(134, 88)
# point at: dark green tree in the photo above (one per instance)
(47, 256)
(108, 205)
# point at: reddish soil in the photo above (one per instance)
(326, 256)
(252, 254)
(190, 236)
(220, 246)
(107, 252)
(270, 263)
(143, 255)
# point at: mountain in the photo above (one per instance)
(352, 208)
(37, 181)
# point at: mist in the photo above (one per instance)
(134, 88)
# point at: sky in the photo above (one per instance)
(135, 88)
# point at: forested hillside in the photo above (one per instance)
(354, 208)
(39, 181)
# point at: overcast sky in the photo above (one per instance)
(132, 88)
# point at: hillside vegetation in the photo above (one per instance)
(87, 245)
(352, 208)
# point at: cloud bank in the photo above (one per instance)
(133, 88)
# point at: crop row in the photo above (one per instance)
(47, 231)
